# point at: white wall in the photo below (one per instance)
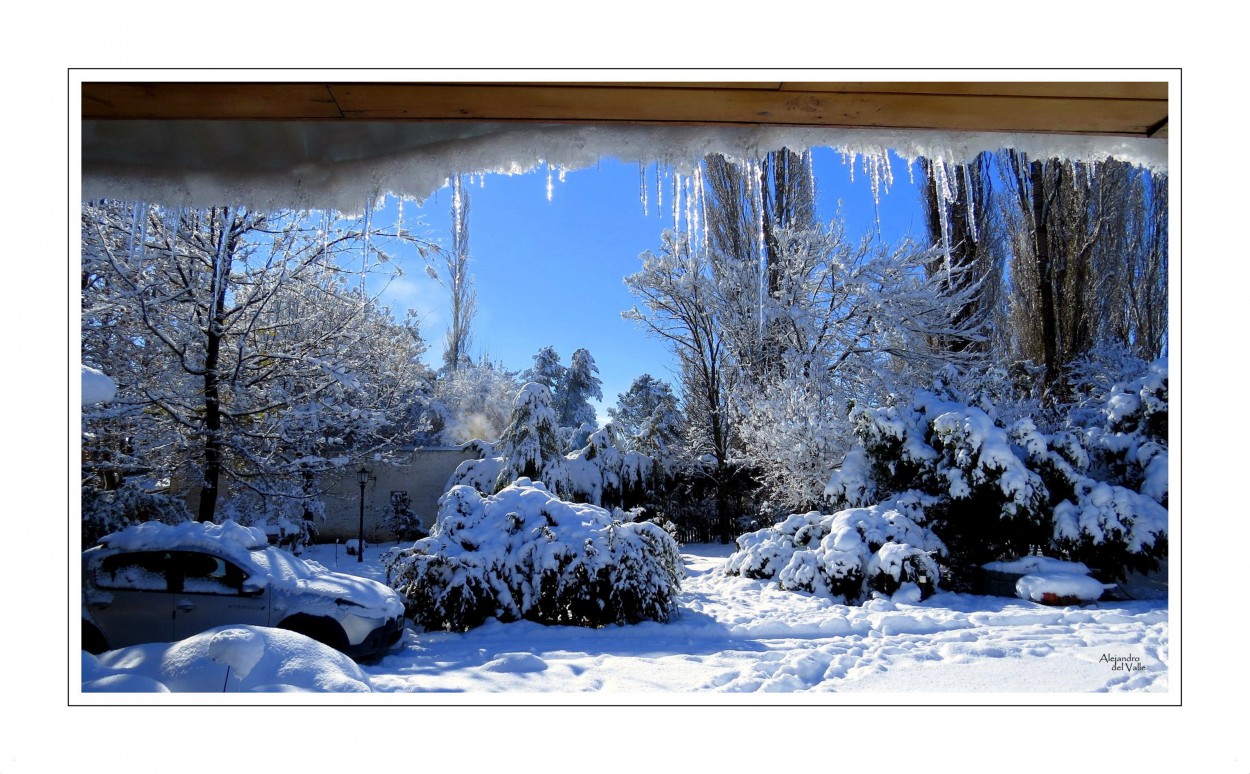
(423, 475)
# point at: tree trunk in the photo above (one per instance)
(212, 378)
(1043, 192)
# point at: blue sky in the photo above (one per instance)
(550, 273)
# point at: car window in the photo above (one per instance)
(204, 573)
(144, 571)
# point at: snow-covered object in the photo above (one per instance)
(1037, 564)
(1060, 588)
(96, 387)
(293, 587)
(232, 540)
(318, 165)
(845, 554)
(525, 554)
(238, 648)
(274, 660)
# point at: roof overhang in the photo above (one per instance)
(334, 144)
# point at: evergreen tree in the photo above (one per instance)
(581, 383)
(530, 446)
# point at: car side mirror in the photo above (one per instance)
(251, 588)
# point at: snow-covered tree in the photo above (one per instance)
(530, 446)
(474, 402)
(678, 287)
(574, 410)
(547, 370)
(647, 418)
(244, 351)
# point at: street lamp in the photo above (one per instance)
(362, 476)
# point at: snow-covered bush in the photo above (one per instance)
(1094, 493)
(523, 553)
(112, 511)
(847, 554)
(986, 503)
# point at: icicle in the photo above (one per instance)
(549, 188)
(642, 186)
(456, 203)
(138, 230)
(811, 175)
(942, 184)
(690, 219)
(874, 184)
(702, 204)
(659, 191)
(757, 198)
(563, 170)
(399, 219)
(676, 201)
(364, 256)
(972, 214)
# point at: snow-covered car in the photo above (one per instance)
(160, 583)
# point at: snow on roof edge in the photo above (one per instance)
(280, 165)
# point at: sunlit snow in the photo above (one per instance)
(731, 635)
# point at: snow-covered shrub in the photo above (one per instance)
(523, 553)
(986, 504)
(846, 554)
(105, 512)
(1092, 490)
(1130, 446)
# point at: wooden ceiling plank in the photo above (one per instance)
(628, 103)
(229, 101)
(926, 111)
(1076, 89)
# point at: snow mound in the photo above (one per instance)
(273, 660)
(155, 536)
(1037, 564)
(1060, 588)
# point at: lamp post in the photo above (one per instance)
(362, 476)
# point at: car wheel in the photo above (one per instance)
(92, 640)
(324, 630)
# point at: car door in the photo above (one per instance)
(208, 592)
(131, 601)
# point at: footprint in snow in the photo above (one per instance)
(516, 663)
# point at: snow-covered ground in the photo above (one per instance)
(737, 636)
